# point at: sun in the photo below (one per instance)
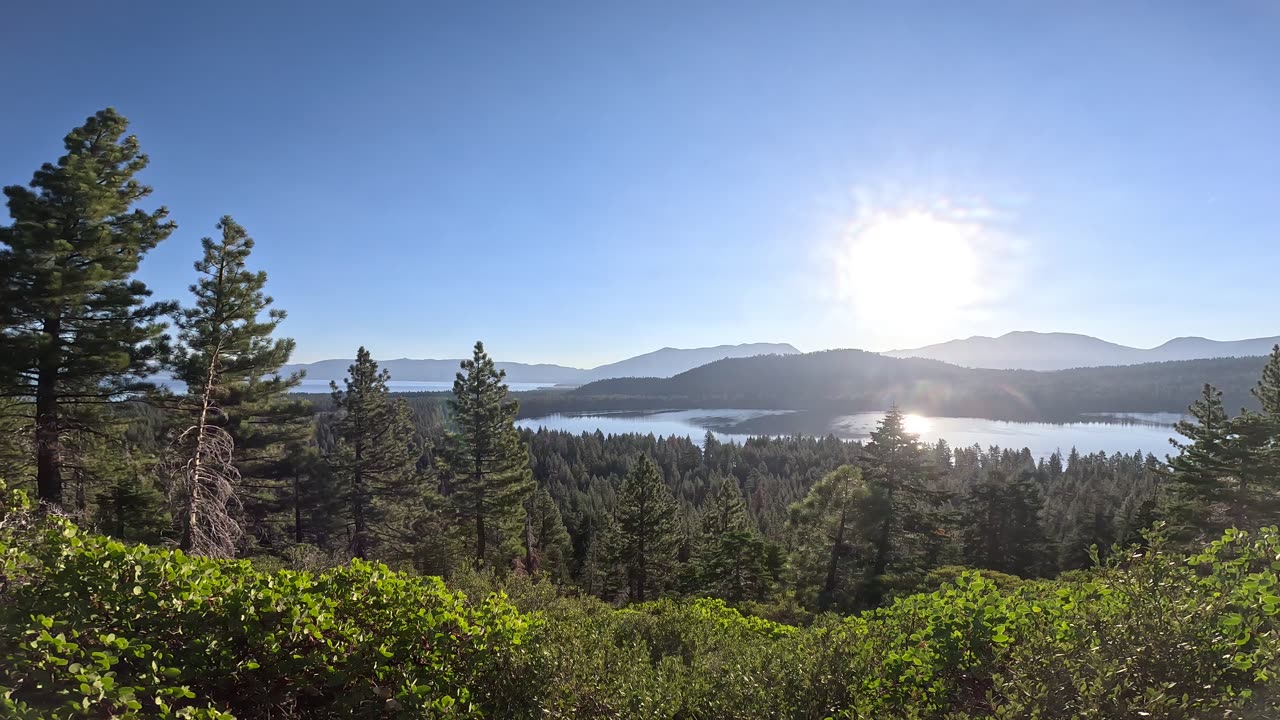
(912, 268)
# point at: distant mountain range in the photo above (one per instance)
(659, 363)
(1026, 350)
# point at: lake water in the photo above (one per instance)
(1121, 432)
(322, 386)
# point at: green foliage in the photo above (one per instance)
(91, 627)
(1000, 525)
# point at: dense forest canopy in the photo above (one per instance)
(235, 548)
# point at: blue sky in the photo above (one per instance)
(581, 182)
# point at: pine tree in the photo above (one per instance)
(130, 506)
(1267, 390)
(1261, 434)
(547, 545)
(733, 560)
(830, 552)
(645, 534)
(1200, 473)
(1000, 525)
(17, 454)
(724, 510)
(111, 484)
(375, 461)
(75, 326)
(486, 464)
(896, 474)
(228, 338)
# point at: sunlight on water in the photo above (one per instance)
(1148, 432)
(917, 424)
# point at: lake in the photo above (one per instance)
(1119, 432)
(322, 386)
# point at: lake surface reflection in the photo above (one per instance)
(1121, 432)
(322, 386)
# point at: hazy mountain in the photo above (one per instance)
(673, 361)
(1058, 351)
(659, 363)
(845, 381)
(439, 370)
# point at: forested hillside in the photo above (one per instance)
(846, 381)
(236, 550)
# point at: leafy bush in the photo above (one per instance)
(93, 628)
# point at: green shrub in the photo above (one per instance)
(91, 627)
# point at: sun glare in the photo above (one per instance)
(912, 268)
(916, 424)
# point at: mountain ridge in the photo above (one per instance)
(664, 362)
(847, 381)
(1031, 350)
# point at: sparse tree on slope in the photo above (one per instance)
(75, 326)
(1262, 430)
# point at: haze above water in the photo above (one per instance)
(322, 386)
(1122, 432)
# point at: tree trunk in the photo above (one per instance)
(195, 479)
(530, 562)
(833, 564)
(359, 538)
(297, 509)
(480, 535)
(48, 436)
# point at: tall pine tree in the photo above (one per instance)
(645, 534)
(547, 545)
(830, 551)
(75, 326)
(896, 474)
(375, 461)
(733, 560)
(1201, 473)
(1000, 524)
(228, 338)
(485, 463)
